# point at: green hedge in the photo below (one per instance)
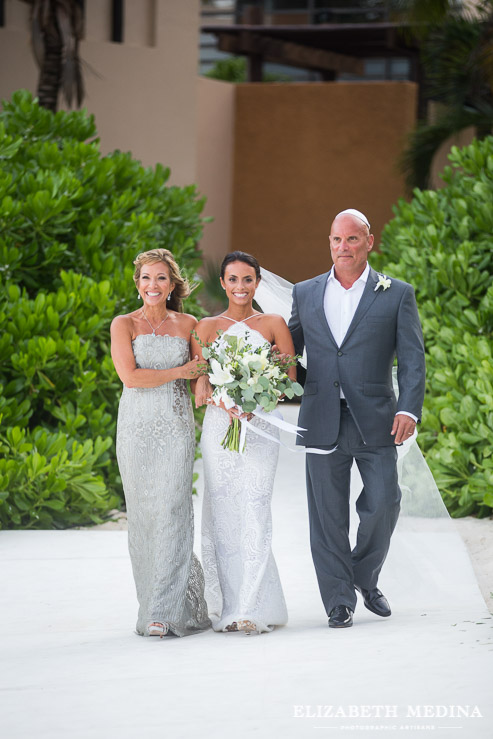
(442, 242)
(71, 223)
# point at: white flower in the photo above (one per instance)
(247, 358)
(261, 359)
(383, 282)
(220, 344)
(264, 357)
(219, 375)
(222, 394)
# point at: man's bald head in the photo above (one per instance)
(355, 214)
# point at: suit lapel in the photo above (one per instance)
(367, 299)
(318, 297)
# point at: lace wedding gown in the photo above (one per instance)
(155, 450)
(242, 581)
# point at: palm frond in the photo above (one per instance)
(482, 56)
(428, 14)
(424, 141)
(448, 56)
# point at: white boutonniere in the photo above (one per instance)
(383, 282)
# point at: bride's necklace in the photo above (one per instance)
(150, 324)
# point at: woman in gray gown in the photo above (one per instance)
(155, 448)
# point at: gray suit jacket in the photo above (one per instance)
(386, 324)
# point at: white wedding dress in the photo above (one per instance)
(242, 581)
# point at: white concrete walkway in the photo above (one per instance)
(71, 666)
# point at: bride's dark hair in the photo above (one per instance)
(240, 256)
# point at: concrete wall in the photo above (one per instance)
(143, 91)
(304, 152)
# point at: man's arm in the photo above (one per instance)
(411, 369)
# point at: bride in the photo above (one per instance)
(243, 589)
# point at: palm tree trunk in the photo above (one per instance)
(51, 69)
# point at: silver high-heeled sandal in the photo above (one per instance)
(158, 629)
(248, 627)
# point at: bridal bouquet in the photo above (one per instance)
(250, 378)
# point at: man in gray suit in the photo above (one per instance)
(353, 322)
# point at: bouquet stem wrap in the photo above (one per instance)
(235, 438)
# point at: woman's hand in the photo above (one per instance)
(193, 369)
(203, 391)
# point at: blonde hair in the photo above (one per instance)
(181, 288)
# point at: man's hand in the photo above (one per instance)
(403, 428)
(203, 391)
(282, 356)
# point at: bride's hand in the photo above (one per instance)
(235, 412)
(232, 412)
(203, 391)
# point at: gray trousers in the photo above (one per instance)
(328, 485)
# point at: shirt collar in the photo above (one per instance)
(362, 278)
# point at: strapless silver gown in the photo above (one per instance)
(155, 451)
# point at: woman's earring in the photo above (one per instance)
(169, 297)
(139, 296)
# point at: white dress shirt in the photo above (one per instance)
(340, 306)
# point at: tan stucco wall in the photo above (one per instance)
(144, 92)
(215, 142)
(304, 152)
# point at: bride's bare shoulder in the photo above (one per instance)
(208, 321)
(208, 326)
(273, 320)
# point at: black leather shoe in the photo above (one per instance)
(375, 601)
(340, 617)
